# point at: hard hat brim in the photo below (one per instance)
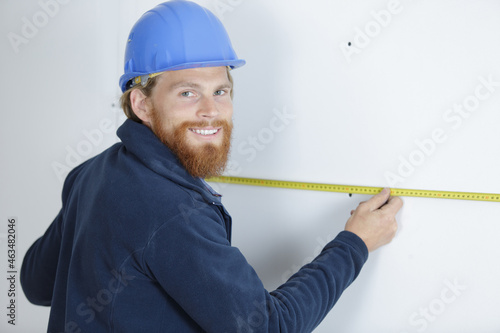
(126, 78)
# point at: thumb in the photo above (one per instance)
(378, 200)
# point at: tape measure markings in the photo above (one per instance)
(352, 189)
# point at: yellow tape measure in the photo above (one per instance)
(356, 189)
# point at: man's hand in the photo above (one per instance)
(374, 220)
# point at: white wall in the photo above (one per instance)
(363, 114)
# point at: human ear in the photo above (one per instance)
(140, 106)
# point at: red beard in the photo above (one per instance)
(208, 160)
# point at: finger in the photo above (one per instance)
(393, 205)
(379, 199)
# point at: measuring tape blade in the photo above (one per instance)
(351, 189)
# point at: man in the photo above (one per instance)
(142, 243)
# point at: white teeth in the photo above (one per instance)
(205, 132)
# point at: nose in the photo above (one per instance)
(208, 108)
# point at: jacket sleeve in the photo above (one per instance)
(38, 271)
(212, 281)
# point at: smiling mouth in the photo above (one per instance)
(205, 132)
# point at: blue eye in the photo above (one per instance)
(187, 94)
(220, 92)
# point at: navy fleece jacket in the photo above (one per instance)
(141, 246)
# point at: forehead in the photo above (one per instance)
(203, 77)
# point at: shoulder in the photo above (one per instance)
(79, 170)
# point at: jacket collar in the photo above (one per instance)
(139, 140)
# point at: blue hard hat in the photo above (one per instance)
(176, 35)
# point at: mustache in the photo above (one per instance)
(206, 123)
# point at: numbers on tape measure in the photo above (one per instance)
(355, 189)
